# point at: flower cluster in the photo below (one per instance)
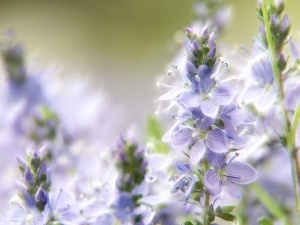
(131, 186)
(209, 123)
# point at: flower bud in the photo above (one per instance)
(189, 33)
(205, 34)
(274, 23)
(285, 26)
(279, 5)
(211, 54)
(41, 196)
(29, 178)
(281, 62)
(42, 173)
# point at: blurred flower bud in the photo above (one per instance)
(285, 26)
(29, 178)
(281, 62)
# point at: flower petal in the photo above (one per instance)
(216, 141)
(222, 95)
(197, 151)
(240, 173)
(212, 182)
(183, 168)
(181, 138)
(231, 189)
(216, 160)
(209, 108)
(189, 99)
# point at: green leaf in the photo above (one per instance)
(272, 206)
(292, 134)
(226, 216)
(154, 135)
(265, 221)
(225, 209)
(188, 223)
(48, 114)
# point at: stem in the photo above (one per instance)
(276, 72)
(289, 130)
(206, 197)
(294, 165)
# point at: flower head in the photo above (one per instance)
(227, 175)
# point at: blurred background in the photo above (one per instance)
(122, 47)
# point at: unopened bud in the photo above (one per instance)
(281, 62)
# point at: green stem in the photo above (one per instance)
(206, 197)
(294, 165)
(272, 206)
(276, 72)
(289, 130)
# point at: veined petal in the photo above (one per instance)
(205, 83)
(189, 99)
(216, 141)
(222, 95)
(181, 138)
(197, 151)
(240, 173)
(231, 189)
(183, 168)
(212, 182)
(191, 70)
(216, 160)
(209, 109)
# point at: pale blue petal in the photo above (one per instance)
(294, 50)
(197, 152)
(183, 168)
(240, 173)
(189, 99)
(231, 189)
(216, 160)
(216, 141)
(181, 138)
(205, 83)
(212, 182)
(209, 108)
(222, 95)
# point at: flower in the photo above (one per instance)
(227, 175)
(208, 95)
(187, 180)
(200, 138)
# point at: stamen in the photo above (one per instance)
(173, 116)
(159, 84)
(174, 66)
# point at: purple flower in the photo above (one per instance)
(124, 207)
(227, 175)
(200, 138)
(209, 95)
(186, 181)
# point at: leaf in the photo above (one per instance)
(154, 135)
(272, 206)
(188, 223)
(225, 209)
(226, 216)
(265, 221)
(292, 134)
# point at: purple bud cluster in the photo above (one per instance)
(132, 166)
(36, 181)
